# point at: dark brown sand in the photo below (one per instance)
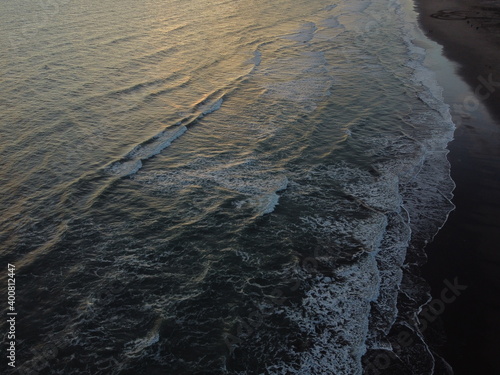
(469, 31)
(468, 247)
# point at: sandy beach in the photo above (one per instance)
(467, 248)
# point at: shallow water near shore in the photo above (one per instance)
(466, 248)
(215, 188)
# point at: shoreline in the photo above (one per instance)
(467, 247)
(469, 31)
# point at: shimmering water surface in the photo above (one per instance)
(214, 187)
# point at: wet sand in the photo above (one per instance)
(468, 247)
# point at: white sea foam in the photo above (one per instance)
(390, 259)
(256, 59)
(248, 178)
(425, 186)
(135, 349)
(157, 144)
(360, 218)
(337, 308)
(334, 316)
(210, 107)
(381, 193)
(354, 308)
(431, 189)
(407, 197)
(266, 203)
(132, 161)
(302, 78)
(125, 168)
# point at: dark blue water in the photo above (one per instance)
(215, 188)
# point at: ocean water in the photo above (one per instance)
(217, 187)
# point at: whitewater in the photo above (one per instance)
(219, 187)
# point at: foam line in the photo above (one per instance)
(157, 144)
(132, 161)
